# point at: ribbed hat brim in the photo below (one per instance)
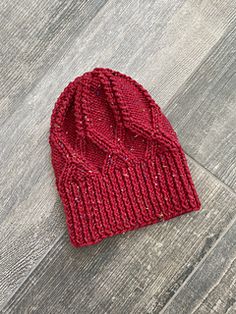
(126, 198)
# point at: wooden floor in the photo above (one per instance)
(184, 53)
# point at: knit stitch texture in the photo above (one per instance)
(117, 160)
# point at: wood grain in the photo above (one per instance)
(212, 287)
(183, 53)
(34, 34)
(208, 97)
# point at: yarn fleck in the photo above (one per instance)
(117, 160)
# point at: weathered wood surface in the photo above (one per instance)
(183, 52)
(213, 282)
(208, 97)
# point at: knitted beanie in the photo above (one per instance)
(117, 160)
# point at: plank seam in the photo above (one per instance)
(199, 265)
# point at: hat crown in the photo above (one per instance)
(104, 115)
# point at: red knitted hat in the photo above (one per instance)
(117, 160)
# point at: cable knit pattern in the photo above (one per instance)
(117, 160)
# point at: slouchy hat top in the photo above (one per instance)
(117, 160)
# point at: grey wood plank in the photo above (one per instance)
(212, 142)
(137, 272)
(212, 287)
(203, 111)
(32, 34)
(221, 297)
(150, 41)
